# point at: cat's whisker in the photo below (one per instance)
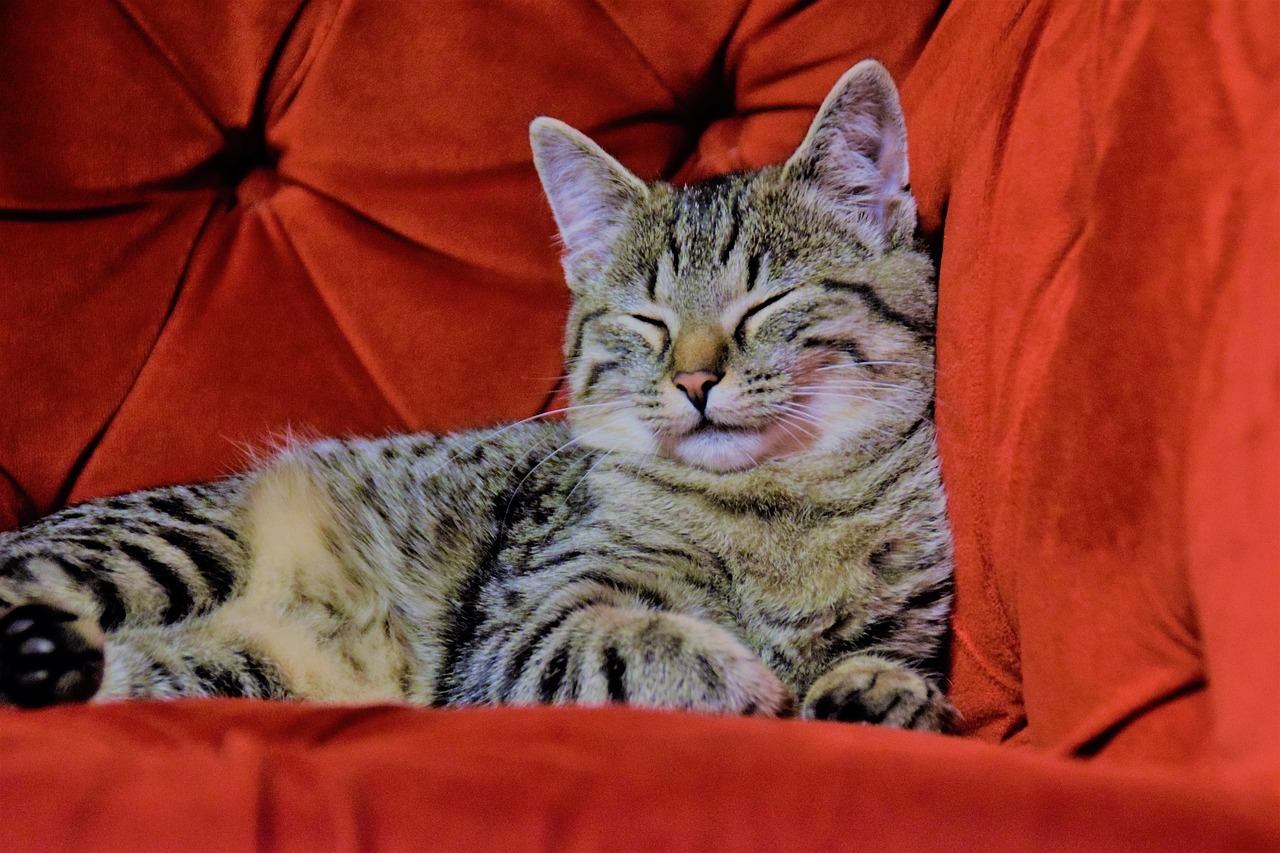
(837, 381)
(846, 365)
(798, 412)
(586, 474)
(787, 425)
(852, 393)
(576, 439)
(853, 383)
(826, 392)
(856, 384)
(882, 430)
(574, 408)
(452, 455)
(791, 433)
(933, 398)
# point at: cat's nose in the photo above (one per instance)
(696, 385)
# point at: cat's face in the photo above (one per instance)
(751, 317)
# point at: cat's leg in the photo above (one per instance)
(156, 558)
(603, 654)
(600, 648)
(191, 660)
(49, 657)
(197, 594)
(867, 688)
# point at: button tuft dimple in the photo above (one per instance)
(257, 186)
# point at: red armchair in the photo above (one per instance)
(221, 224)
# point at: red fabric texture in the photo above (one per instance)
(303, 779)
(1107, 402)
(224, 225)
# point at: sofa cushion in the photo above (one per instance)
(237, 776)
(225, 227)
(1107, 404)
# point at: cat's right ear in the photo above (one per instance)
(591, 195)
(854, 157)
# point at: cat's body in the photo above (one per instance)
(743, 511)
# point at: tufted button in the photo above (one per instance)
(245, 165)
(258, 185)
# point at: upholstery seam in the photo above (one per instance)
(1120, 711)
(179, 74)
(316, 45)
(385, 388)
(671, 90)
(387, 228)
(90, 448)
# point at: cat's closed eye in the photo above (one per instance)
(653, 329)
(652, 321)
(744, 325)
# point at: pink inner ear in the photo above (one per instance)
(587, 190)
(859, 154)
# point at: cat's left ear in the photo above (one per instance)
(855, 155)
(591, 195)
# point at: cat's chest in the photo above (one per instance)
(796, 562)
(798, 586)
(792, 580)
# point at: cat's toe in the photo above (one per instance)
(46, 659)
(869, 690)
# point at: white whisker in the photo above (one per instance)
(865, 383)
(853, 383)
(848, 395)
(799, 412)
(848, 364)
(798, 419)
(570, 443)
(594, 465)
(452, 453)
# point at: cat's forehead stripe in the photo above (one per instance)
(704, 230)
(732, 239)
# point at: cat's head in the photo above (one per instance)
(754, 316)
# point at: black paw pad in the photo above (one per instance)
(45, 659)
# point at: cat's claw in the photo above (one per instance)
(45, 658)
(872, 690)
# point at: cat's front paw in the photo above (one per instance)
(680, 661)
(46, 658)
(655, 660)
(866, 689)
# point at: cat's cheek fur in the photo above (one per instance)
(613, 431)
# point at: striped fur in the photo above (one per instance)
(742, 513)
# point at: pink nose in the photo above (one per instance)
(696, 385)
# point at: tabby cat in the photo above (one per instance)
(742, 514)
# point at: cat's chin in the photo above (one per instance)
(722, 451)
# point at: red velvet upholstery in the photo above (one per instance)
(224, 223)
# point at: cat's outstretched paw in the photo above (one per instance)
(688, 663)
(46, 658)
(656, 660)
(868, 689)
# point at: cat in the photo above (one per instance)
(741, 514)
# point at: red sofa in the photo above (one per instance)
(226, 223)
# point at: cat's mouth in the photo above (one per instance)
(718, 446)
(708, 426)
